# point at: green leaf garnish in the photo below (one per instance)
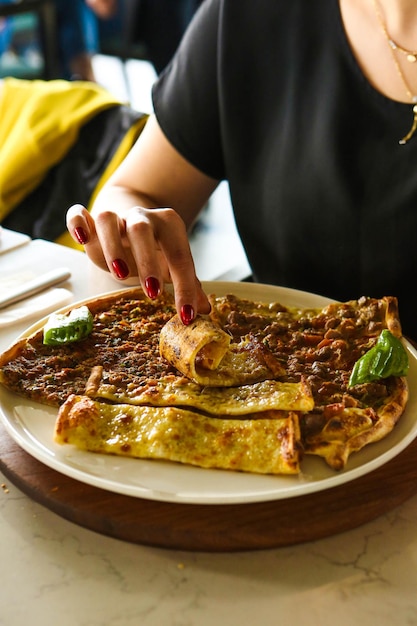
(387, 357)
(67, 328)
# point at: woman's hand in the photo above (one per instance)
(128, 239)
(149, 243)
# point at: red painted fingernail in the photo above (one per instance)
(80, 235)
(120, 268)
(152, 286)
(187, 314)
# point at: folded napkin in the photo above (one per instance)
(38, 305)
(9, 239)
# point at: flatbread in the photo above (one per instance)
(264, 446)
(309, 355)
(204, 353)
(268, 395)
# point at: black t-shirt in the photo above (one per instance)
(269, 96)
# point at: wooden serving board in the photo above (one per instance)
(213, 528)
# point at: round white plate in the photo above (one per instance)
(32, 425)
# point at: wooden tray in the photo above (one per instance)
(213, 528)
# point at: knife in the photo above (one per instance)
(31, 287)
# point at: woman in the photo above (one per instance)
(301, 107)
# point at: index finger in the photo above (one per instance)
(172, 237)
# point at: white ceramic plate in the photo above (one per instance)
(31, 426)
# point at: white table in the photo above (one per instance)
(54, 572)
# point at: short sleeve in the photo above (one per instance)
(185, 97)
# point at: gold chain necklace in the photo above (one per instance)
(412, 58)
(410, 55)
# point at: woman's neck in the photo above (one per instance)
(370, 26)
(400, 17)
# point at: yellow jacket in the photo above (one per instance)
(39, 123)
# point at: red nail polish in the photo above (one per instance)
(80, 235)
(187, 314)
(152, 287)
(120, 268)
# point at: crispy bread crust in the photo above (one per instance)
(337, 451)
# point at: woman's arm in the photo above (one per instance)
(138, 225)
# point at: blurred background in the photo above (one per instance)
(122, 45)
(63, 38)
